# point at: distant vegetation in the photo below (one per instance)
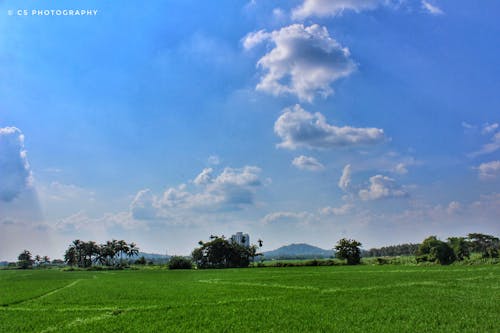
(111, 253)
(222, 253)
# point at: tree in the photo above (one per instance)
(487, 245)
(177, 262)
(25, 260)
(460, 247)
(349, 250)
(434, 250)
(222, 253)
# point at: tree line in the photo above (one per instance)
(112, 253)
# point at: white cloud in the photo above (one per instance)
(304, 62)
(232, 189)
(287, 217)
(466, 125)
(298, 128)
(382, 187)
(345, 179)
(489, 170)
(325, 8)
(453, 207)
(490, 147)
(401, 169)
(337, 211)
(488, 128)
(144, 206)
(15, 172)
(204, 177)
(213, 160)
(431, 9)
(307, 163)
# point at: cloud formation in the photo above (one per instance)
(304, 61)
(307, 163)
(489, 170)
(382, 187)
(282, 217)
(337, 211)
(326, 8)
(232, 189)
(15, 172)
(490, 147)
(345, 179)
(431, 9)
(298, 128)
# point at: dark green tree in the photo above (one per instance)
(434, 250)
(349, 250)
(177, 262)
(25, 260)
(487, 245)
(460, 247)
(222, 253)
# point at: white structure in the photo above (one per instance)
(241, 239)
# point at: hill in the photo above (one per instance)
(298, 251)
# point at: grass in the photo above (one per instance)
(293, 299)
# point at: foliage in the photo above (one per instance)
(221, 253)
(434, 250)
(392, 250)
(349, 250)
(460, 246)
(25, 260)
(487, 245)
(84, 254)
(177, 262)
(141, 261)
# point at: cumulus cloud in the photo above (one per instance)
(232, 189)
(345, 179)
(431, 9)
(144, 206)
(304, 61)
(204, 177)
(307, 163)
(489, 170)
(283, 217)
(337, 211)
(382, 187)
(298, 128)
(326, 8)
(14, 167)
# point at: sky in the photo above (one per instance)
(165, 122)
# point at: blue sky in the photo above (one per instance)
(294, 121)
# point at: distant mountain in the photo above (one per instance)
(298, 251)
(155, 257)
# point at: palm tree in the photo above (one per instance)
(38, 260)
(46, 259)
(133, 250)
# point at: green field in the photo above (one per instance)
(292, 299)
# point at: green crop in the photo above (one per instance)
(288, 299)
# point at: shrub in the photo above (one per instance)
(180, 263)
(434, 250)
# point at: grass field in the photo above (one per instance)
(293, 299)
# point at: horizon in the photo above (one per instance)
(304, 121)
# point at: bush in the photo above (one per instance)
(434, 250)
(180, 263)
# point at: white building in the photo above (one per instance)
(241, 239)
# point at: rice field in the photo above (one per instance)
(292, 299)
